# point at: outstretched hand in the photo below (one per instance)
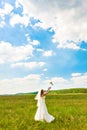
(49, 88)
(45, 93)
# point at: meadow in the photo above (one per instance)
(69, 109)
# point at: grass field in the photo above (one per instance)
(70, 112)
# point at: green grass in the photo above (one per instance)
(72, 90)
(70, 112)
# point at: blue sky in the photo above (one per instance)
(42, 41)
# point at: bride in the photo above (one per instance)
(42, 112)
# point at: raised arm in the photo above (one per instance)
(45, 93)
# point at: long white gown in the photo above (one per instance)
(42, 112)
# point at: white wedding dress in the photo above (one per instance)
(42, 112)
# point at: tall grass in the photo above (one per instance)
(70, 112)
(72, 90)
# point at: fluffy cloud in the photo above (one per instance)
(80, 81)
(68, 20)
(4, 11)
(18, 85)
(2, 24)
(29, 65)
(45, 69)
(17, 19)
(34, 82)
(48, 53)
(76, 74)
(76, 81)
(35, 42)
(9, 53)
(69, 46)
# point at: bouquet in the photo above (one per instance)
(51, 83)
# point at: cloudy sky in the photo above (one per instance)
(42, 41)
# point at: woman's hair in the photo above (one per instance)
(42, 91)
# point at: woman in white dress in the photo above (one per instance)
(42, 112)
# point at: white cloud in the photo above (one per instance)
(60, 83)
(17, 85)
(29, 65)
(17, 19)
(6, 10)
(45, 69)
(40, 50)
(9, 53)
(35, 42)
(68, 20)
(76, 81)
(76, 74)
(69, 46)
(34, 82)
(27, 37)
(79, 81)
(2, 24)
(48, 53)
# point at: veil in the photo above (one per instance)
(38, 97)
